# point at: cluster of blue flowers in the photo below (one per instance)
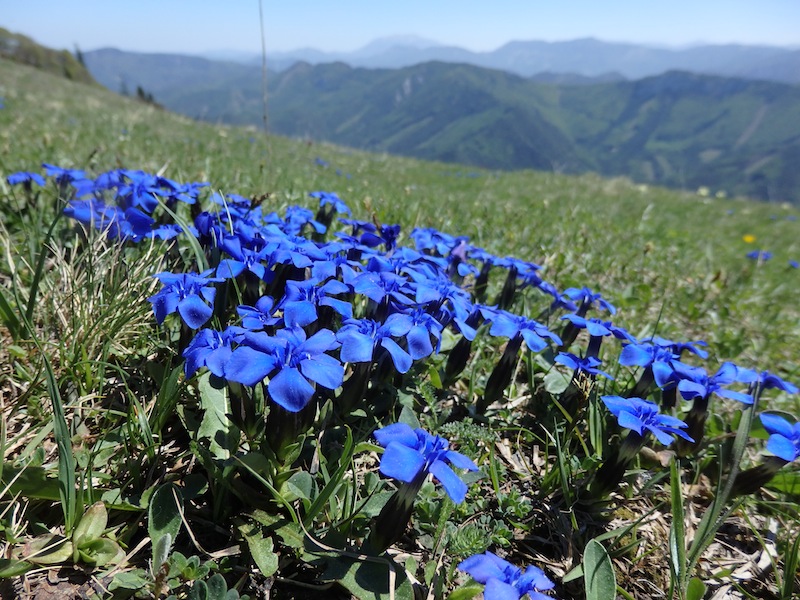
(310, 311)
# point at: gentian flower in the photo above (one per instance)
(586, 364)
(211, 349)
(360, 337)
(410, 455)
(783, 443)
(188, 293)
(703, 385)
(588, 298)
(330, 199)
(302, 299)
(642, 416)
(505, 581)
(26, 178)
(784, 439)
(290, 361)
(413, 453)
(760, 255)
(642, 419)
(256, 318)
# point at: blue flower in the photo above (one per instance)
(360, 337)
(701, 385)
(506, 324)
(588, 364)
(411, 453)
(760, 255)
(211, 349)
(769, 381)
(332, 200)
(256, 318)
(26, 178)
(642, 416)
(503, 580)
(290, 361)
(188, 293)
(587, 298)
(302, 298)
(784, 441)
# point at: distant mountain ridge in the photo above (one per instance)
(678, 129)
(588, 57)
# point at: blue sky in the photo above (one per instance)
(196, 26)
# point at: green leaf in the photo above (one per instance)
(598, 573)
(467, 591)
(299, 485)
(261, 549)
(367, 580)
(164, 516)
(100, 552)
(330, 487)
(696, 589)
(48, 549)
(216, 426)
(31, 482)
(288, 531)
(199, 591)
(13, 568)
(129, 580)
(677, 533)
(92, 525)
(555, 382)
(217, 587)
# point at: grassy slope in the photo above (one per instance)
(646, 248)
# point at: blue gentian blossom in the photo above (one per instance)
(411, 453)
(297, 217)
(703, 385)
(290, 360)
(760, 255)
(586, 364)
(64, 176)
(332, 200)
(784, 439)
(770, 381)
(302, 298)
(505, 581)
(599, 328)
(587, 298)
(256, 318)
(211, 349)
(506, 324)
(424, 325)
(25, 178)
(360, 337)
(642, 416)
(190, 294)
(428, 239)
(243, 258)
(382, 287)
(680, 347)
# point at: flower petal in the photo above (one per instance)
(290, 389)
(194, 311)
(455, 488)
(401, 462)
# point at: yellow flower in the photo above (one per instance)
(749, 238)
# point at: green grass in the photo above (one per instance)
(672, 263)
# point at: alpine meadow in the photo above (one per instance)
(240, 365)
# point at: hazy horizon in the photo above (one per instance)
(166, 26)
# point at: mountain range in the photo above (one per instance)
(587, 57)
(679, 129)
